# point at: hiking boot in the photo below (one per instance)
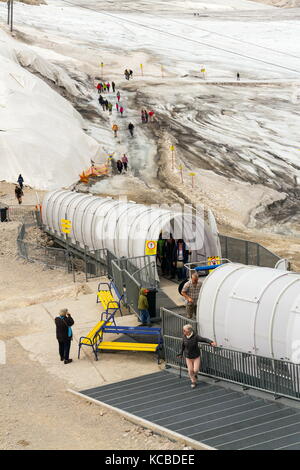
(67, 361)
(194, 385)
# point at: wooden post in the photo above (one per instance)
(193, 179)
(101, 65)
(172, 148)
(181, 172)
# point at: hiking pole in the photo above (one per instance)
(180, 364)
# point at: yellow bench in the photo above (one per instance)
(107, 300)
(120, 346)
(105, 296)
(92, 338)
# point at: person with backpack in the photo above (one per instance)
(145, 116)
(130, 128)
(118, 96)
(113, 85)
(191, 352)
(190, 292)
(142, 116)
(64, 334)
(151, 114)
(121, 110)
(108, 86)
(115, 128)
(110, 108)
(19, 194)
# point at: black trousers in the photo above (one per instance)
(64, 349)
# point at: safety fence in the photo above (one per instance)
(24, 213)
(247, 252)
(282, 378)
(126, 283)
(141, 268)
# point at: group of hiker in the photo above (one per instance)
(106, 105)
(146, 116)
(122, 164)
(103, 87)
(128, 74)
(172, 255)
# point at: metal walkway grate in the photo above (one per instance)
(214, 415)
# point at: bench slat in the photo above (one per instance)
(128, 346)
(92, 333)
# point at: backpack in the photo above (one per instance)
(180, 287)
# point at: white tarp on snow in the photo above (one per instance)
(41, 133)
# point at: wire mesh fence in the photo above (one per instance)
(276, 376)
(247, 252)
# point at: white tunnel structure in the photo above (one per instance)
(252, 309)
(123, 227)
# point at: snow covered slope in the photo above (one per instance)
(41, 133)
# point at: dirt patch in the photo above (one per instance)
(38, 413)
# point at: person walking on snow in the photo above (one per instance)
(110, 108)
(125, 161)
(130, 128)
(151, 114)
(108, 86)
(238, 77)
(118, 96)
(113, 85)
(104, 87)
(191, 351)
(120, 166)
(117, 106)
(99, 87)
(121, 110)
(115, 129)
(146, 116)
(130, 74)
(142, 116)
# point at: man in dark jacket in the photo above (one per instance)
(180, 258)
(191, 351)
(64, 334)
(130, 128)
(168, 254)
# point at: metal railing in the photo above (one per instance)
(142, 269)
(247, 252)
(282, 378)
